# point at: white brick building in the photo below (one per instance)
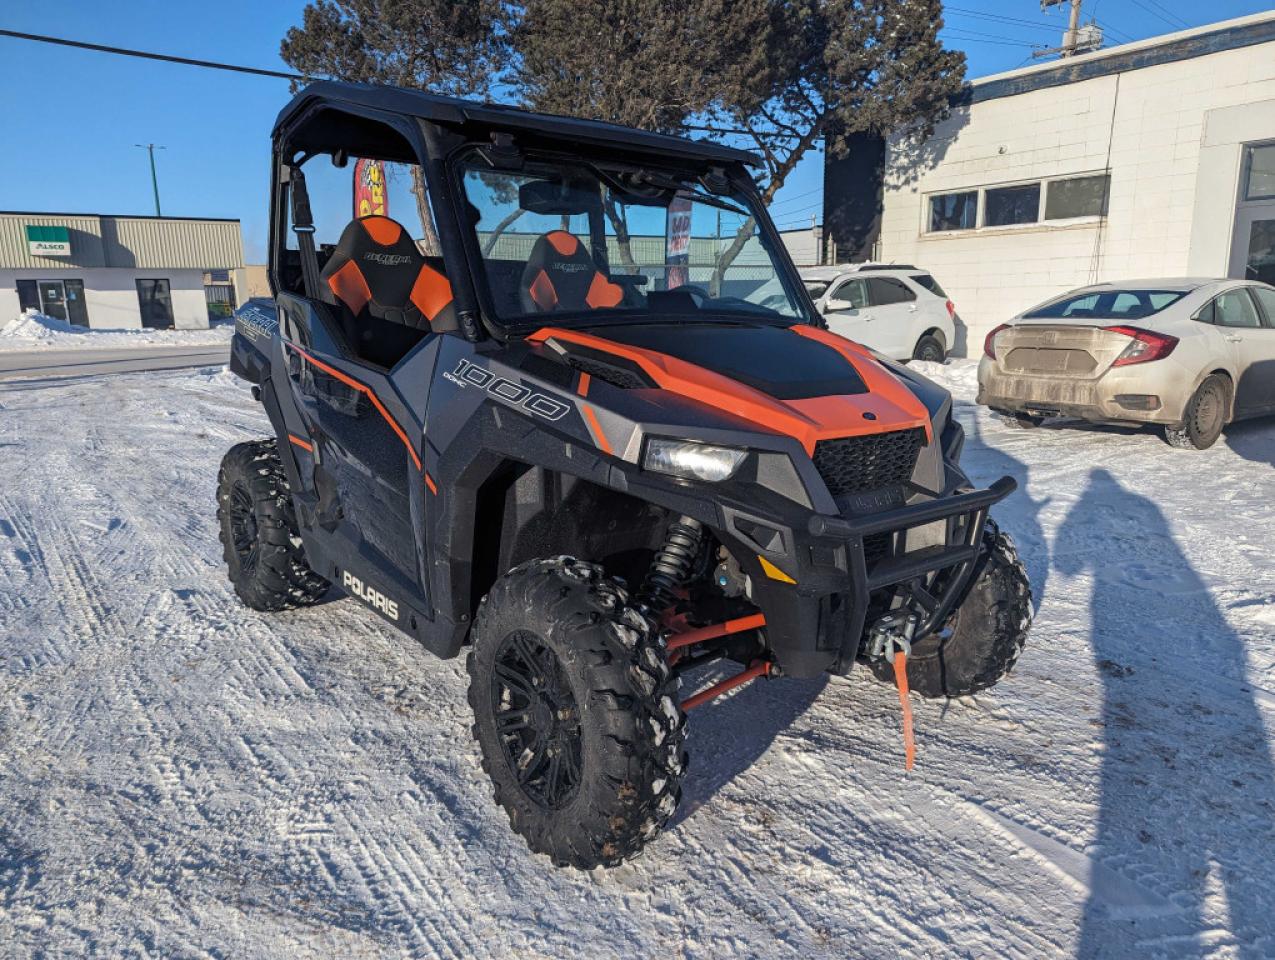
(1150, 159)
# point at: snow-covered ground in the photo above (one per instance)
(34, 331)
(184, 777)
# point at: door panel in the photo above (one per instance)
(854, 322)
(1237, 319)
(894, 311)
(366, 447)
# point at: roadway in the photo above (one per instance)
(57, 363)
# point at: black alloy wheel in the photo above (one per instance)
(537, 720)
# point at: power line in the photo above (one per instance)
(1108, 29)
(788, 200)
(988, 38)
(256, 71)
(1177, 22)
(998, 18)
(1163, 12)
(146, 55)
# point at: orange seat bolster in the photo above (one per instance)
(350, 287)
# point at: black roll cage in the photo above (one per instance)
(439, 130)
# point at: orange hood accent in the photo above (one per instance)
(890, 403)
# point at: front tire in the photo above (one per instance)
(1205, 416)
(984, 637)
(259, 537)
(576, 713)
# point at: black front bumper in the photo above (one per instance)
(842, 574)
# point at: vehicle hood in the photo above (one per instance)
(800, 381)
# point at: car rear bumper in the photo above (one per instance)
(842, 577)
(1116, 396)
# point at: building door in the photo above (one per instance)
(1253, 242)
(53, 299)
(77, 310)
(155, 299)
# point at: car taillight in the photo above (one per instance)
(951, 311)
(989, 345)
(1144, 346)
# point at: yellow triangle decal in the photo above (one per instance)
(773, 571)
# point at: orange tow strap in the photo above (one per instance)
(901, 681)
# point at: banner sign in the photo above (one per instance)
(48, 241)
(370, 198)
(677, 244)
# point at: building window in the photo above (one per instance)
(1004, 206)
(954, 211)
(154, 297)
(1077, 197)
(1259, 181)
(28, 296)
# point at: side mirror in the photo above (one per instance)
(830, 305)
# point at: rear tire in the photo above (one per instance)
(576, 713)
(984, 638)
(259, 537)
(1205, 416)
(930, 349)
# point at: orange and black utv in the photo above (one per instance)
(592, 429)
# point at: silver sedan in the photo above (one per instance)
(1189, 355)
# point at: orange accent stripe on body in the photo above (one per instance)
(891, 405)
(367, 392)
(599, 437)
(303, 444)
(429, 482)
(582, 385)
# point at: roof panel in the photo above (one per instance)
(449, 110)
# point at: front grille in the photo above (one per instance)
(851, 465)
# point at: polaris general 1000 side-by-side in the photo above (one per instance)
(589, 425)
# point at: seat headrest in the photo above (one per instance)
(561, 275)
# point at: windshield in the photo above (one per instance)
(1107, 305)
(588, 245)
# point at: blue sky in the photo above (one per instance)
(72, 117)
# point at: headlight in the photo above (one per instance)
(698, 461)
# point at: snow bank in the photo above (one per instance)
(33, 331)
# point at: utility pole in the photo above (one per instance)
(150, 148)
(1077, 39)
(1073, 25)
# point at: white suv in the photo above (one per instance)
(899, 311)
